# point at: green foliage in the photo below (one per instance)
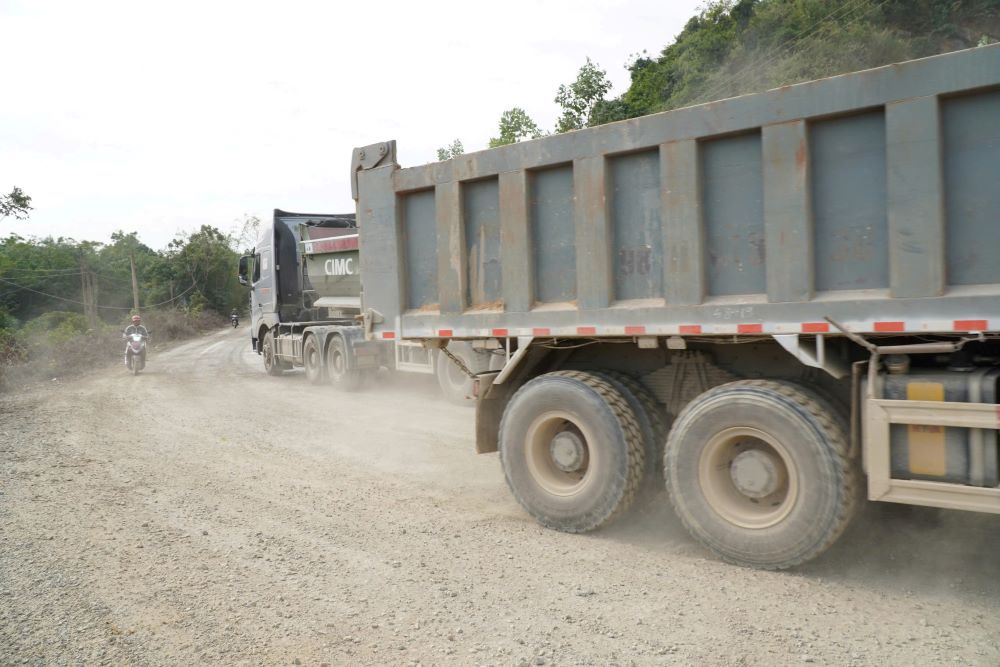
(515, 124)
(448, 152)
(57, 326)
(42, 275)
(579, 98)
(16, 204)
(734, 47)
(207, 258)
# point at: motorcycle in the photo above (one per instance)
(135, 353)
(235, 320)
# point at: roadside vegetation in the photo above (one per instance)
(64, 303)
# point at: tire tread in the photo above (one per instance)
(829, 419)
(635, 452)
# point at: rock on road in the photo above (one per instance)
(205, 512)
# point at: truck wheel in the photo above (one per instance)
(341, 377)
(456, 385)
(571, 450)
(758, 472)
(271, 363)
(312, 360)
(652, 419)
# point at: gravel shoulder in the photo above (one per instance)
(204, 512)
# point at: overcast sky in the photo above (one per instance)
(125, 116)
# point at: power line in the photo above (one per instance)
(81, 303)
(67, 272)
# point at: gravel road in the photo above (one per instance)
(204, 512)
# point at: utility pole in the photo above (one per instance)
(88, 291)
(135, 281)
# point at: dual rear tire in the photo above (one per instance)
(758, 471)
(571, 450)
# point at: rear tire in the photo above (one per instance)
(312, 360)
(571, 450)
(455, 384)
(652, 418)
(758, 471)
(271, 363)
(340, 374)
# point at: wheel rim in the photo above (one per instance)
(748, 477)
(312, 360)
(335, 362)
(268, 355)
(559, 454)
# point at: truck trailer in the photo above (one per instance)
(774, 306)
(304, 276)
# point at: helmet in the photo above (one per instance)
(136, 319)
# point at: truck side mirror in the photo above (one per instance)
(244, 267)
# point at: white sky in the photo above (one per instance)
(160, 118)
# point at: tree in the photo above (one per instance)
(454, 150)
(16, 204)
(579, 98)
(246, 233)
(207, 258)
(515, 124)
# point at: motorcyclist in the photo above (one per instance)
(234, 315)
(135, 327)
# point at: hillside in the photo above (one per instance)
(737, 47)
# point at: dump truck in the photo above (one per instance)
(774, 305)
(304, 276)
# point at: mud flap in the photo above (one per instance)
(489, 409)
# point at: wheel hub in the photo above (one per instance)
(568, 451)
(756, 473)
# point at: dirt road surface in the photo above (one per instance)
(206, 513)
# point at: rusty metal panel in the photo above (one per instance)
(593, 235)
(634, 192)
(972, 179)
(419, 229)
(517, 273)
(683, 229)
(787, 212)
(450, 246)
(847, 157)
(382, 254)
(915, 198)
(554, 235)
(481, 216)
(733, 201)
(772, 211)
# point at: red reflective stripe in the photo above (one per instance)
(500, 332)
(388, 334)
(815, 327)
(890, 326)
(998, 416)
(541, 331)
(690, 328)
(749, 328)
(970, 325)
(631, 331)
(586, 331)
(332, 245)
(445, 333)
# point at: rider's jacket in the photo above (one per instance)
(132, 328)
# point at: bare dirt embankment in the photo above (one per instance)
(206, 512)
